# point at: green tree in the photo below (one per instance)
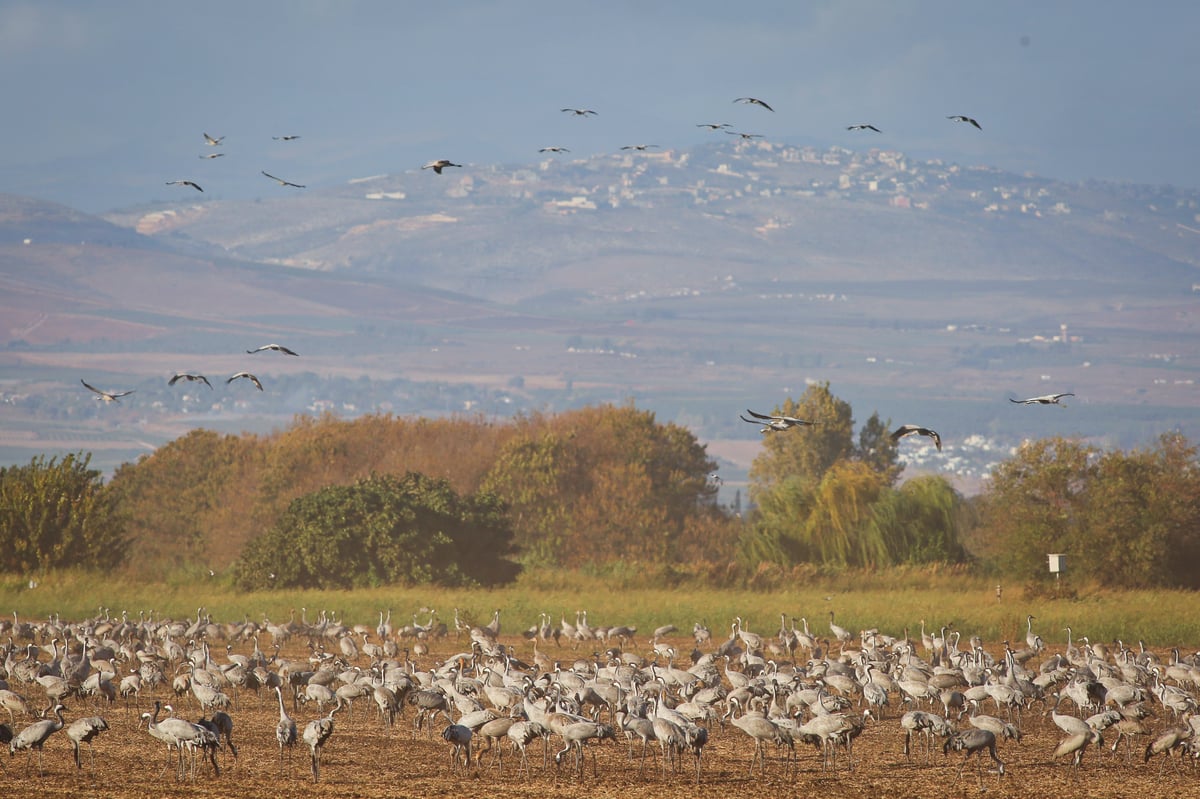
(57, 513)
(805, 453)
(538, 477)
(1036, 503)
(601, 484)
(877, 449)
(1143, 517)
(383, 530)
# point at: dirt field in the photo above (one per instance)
(361, 759)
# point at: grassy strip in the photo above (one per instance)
(892, 601)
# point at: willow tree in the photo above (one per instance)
(838, 530)
(919, 521)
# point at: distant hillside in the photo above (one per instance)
(758, 212)
(693, 283)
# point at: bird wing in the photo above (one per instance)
(751, 421)
(91, 387)
(272, 177)
(1060, 396)
(760, 415)
(170, 382)
(284, 350)
(794, 420)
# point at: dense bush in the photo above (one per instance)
(383, 530)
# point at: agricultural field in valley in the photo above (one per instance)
(365, 758)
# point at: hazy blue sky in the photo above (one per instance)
(105, 101)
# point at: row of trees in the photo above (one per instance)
(331, 502)
(1126, 518)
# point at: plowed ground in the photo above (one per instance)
(362, 759)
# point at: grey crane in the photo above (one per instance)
(84, 730)
(190, 377)
(762, 730)
(927, 724)
(14, 703)
(213, 141)
(34, 737)
(521, 734)
(275, 347)
(290, 137)
(714, 125)
(996, 726)
(1076, 745)
(753, 101)
(1032, 639)
(189, 736)
(574, 737)
(968, 120)
(774, 421)
(1045, 399)
(1170, 740)
(220, 725)
(191, 183)
(863, 126)
(257, 383)
(105, 396)
(316, 733)
(283, 182)
(974, 742)
(916, 430)
(580, 112)
(440, 164)
(285, 729)
(554, 150)
(492, 732)
(459, 738)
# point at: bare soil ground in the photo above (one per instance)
(362, 759)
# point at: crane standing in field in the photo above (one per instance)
(285, 730)
(974, 741)
(33, 738)
(83, 731)
(316, 733)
